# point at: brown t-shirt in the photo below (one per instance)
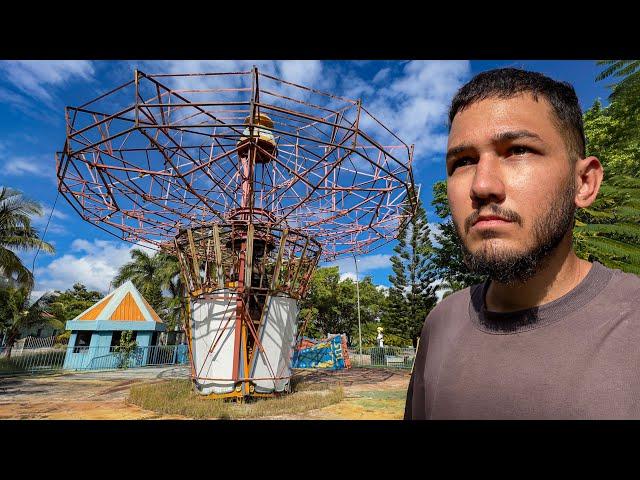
(577, 357)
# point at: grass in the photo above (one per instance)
(176, 397)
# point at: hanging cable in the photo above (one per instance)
(44, 235)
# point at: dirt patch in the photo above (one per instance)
(370, 393)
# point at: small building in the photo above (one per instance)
(97, 331)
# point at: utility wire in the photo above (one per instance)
(44, 235)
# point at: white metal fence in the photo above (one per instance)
(387, 357)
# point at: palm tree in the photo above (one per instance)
(609, 230)
(16, 232)
(16, 313)
(143, 271)
(153, 274)
(171, 280)
(628, 70)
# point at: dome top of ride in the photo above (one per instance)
(164, 152)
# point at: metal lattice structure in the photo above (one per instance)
(248, 179)
(149, 158)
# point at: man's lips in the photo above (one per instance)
(490, 221)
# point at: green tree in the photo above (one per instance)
(16, 233)
(609, 230)
(447, 259)
(627, 89)
(412, 294)
(144, 270)
(125, 348)
(332, 306)
(17, 314)
(67, 305)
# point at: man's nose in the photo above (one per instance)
(488, 185)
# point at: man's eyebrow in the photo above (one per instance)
(514, 135)
(498, 138)
(452, 152)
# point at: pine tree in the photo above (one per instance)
(447, 258)
(412, 293)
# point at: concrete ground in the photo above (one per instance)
(369, 394)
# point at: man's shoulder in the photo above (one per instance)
(452, 303)
(624, 284)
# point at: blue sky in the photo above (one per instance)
(410, 97)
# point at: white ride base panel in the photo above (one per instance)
(211, 320)
(276, 335)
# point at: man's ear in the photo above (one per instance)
(589, 174)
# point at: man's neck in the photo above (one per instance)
(562, 272)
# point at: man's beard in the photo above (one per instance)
(509, 266)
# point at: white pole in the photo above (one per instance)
(355, 261)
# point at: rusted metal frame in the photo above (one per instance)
(313, 189)
(117, 115)
(207, 262)
(293, 245)
(297, 272)
(184, 264)
(346, 100)
(249, 260)
(108, 93)
(103, 128)
(257, 343)
(194, 258)
(199, 74)
(211, 160)
(307, 278)
(265, 255)
(239, 314)
(218, 256)
(132, 187)
(173, 92)
(310, 118)
(317, 163)
(187, 155)
(276, 270)
(343, 213)
(108, 187)
(249, 378)
(299, 177)
(383, 126)
(301, 102)
(217, 337)
(198, 108)
(178, 174)
(187, 329)
(104, 140)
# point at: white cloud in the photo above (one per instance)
(414, 104)
(36, 77)
(366, 264)
(29, 165)
(349, 275)
(434, 229)
(92, 263)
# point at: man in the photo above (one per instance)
(548, 335)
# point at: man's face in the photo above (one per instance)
(510, 185)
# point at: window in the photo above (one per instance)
(39, 334)
(115, 339)
(83, 340)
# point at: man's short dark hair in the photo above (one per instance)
(509, 82)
